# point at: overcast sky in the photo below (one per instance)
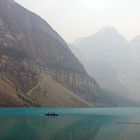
(73, 19)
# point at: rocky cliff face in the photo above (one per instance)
(15, 63)
(81, 84)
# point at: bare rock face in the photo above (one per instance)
(81, 84)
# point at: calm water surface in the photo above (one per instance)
(71, 124)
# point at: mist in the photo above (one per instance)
(112, 61)
(108, 45)
(85, 17)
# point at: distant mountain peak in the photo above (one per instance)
(108, 29)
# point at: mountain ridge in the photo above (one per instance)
(114, 50)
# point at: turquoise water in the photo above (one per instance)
(71, 124)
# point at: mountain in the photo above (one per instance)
(37, 67)
(109, 46)
(109, 59)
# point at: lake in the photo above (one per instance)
(71, 124)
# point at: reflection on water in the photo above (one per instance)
(70, 127)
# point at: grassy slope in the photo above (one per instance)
(49, 93)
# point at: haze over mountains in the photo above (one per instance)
(37, 67)
(111, 60)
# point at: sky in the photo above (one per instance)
(74, 19)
